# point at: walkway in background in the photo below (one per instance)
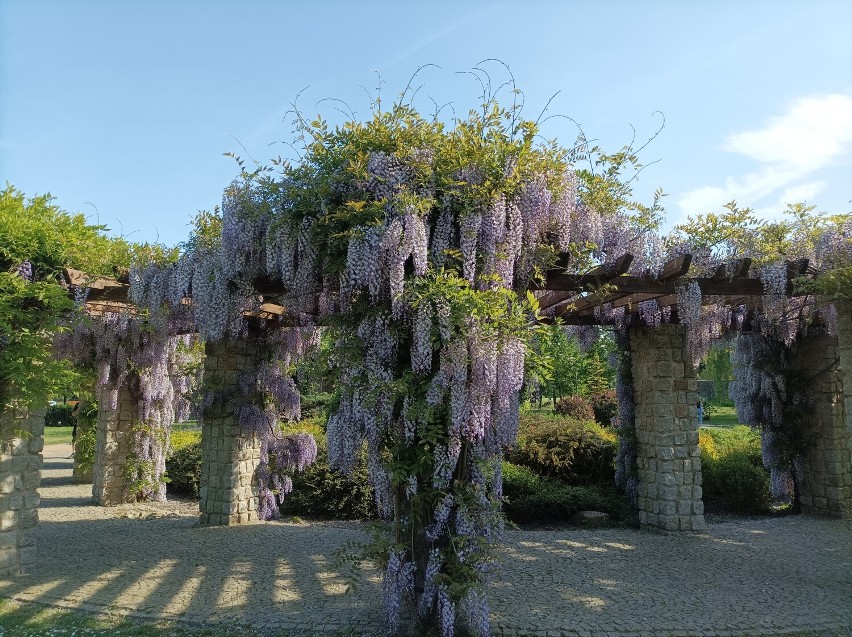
(748, 577)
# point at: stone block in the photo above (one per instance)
(8, 520)
(16, 501)
(667, 493)
(31, 479)
(7, 484)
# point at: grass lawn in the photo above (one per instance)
(62, 435)
(57, 435)
(723, 416)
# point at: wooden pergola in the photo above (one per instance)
(574, 298)
(568, 297)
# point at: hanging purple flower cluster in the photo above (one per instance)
(267, 394)
(25, 271)
(770, 397)
(626, 476)
(127, 354)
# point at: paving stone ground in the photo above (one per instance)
(740, 577)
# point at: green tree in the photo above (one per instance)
(38, 239)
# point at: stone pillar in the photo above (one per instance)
(21, 444)
(667, 455)
(114, 443)
(825, 486)
(229, 458)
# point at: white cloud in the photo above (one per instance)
(813, 132)
(811, 135)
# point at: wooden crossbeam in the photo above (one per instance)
(561, 281)
(100, 288)
(675, 268)
(634, 299)
(737, 269)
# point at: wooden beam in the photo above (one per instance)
(675, 268)
(737, 269)
(634, 299)
(596, 277)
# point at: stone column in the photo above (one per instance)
(21, 444)
(229, 458)
(114, 443)
(825, 486)
(667, 455)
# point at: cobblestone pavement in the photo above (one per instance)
(741, 577)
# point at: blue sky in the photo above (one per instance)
(122, 110)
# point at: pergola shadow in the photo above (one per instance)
(754, 576)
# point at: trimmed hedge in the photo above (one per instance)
(734, 477)
(319, 491)
(605, 406)
(575, 407)
(529, 497)
(183, 463)
(59, 416)
(577, 453)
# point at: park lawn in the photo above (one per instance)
(57, 435)
(721, 416)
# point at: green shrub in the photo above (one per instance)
(320, 491)
(181, 439)
(528, 497)
(84, 447)
(605, 407)
(734, 477)
(738, 439)
(574, 452)
(315, 405)
(735, 483)
(59, 416)
(575, 407)
(183, 464)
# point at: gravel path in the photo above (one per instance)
(743, 577)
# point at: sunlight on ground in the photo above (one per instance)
(39, 590)
(285, 588)
(332, 583)
(588, 601)
(181, 600)
(608, 584)
(88, 590)
(517, 555)
(235, 586)
(154, 579)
